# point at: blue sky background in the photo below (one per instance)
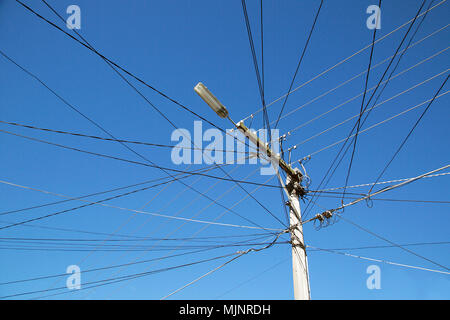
(173, 45)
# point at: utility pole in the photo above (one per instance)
(299, 258)
(292, 187)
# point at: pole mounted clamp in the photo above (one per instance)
(324, 215)
(294, 183)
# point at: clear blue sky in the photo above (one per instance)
(173, 45)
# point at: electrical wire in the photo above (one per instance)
(378, 260)
(63, 249)
(112, 64)
(378, 123)
(370, 99)
(384, 182)
(251, 279)
(358, 122)
(393, 243)
(410, 132)
(374, 106)
(389, 188)
(388, 246)
(151, 165)
(115, 140)
(347, 58)
(109, 134)
(118, 279)
(188, 239)
(215, 219)
(98, 193)
(393, 200)
(353, 78)
(240, 254)
(255, 62)
(89, 203)
(345, 141)
(89, 47)
(126, 146)
(300, 62)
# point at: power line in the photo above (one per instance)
(97, 193)
(401, 55)
(137, 239)
(252, 278)
(393, 70)
(384, 182)
(262, 48)
(353, 78)
(389, 188)
(152, 165)
(167, 205)
(15, 247)
(398, 48)
(153, 106)
(240, 254)
(313, 199)
(215, 219)
(358, 123)
(347, 58)
(260, 79)
(374, 106)
(410, 132)
(111, 64)
(346, 139)
(101, 268)
(255, 60)
(387, 246)
(118, 279)
(130, 277)
(252, 48)
(393, 243)
(121, 208)
(333, 212)
(109, 134)
(371, 127)
(76, 230)
(392, 200)
(378, 123)
(266, 118)
(89, 47)
(299, 62)
(115, 140)
(379, 260)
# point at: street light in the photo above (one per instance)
(211, 100)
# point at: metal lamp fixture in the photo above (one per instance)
(211, 100)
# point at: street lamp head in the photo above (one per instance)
(211, 100)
